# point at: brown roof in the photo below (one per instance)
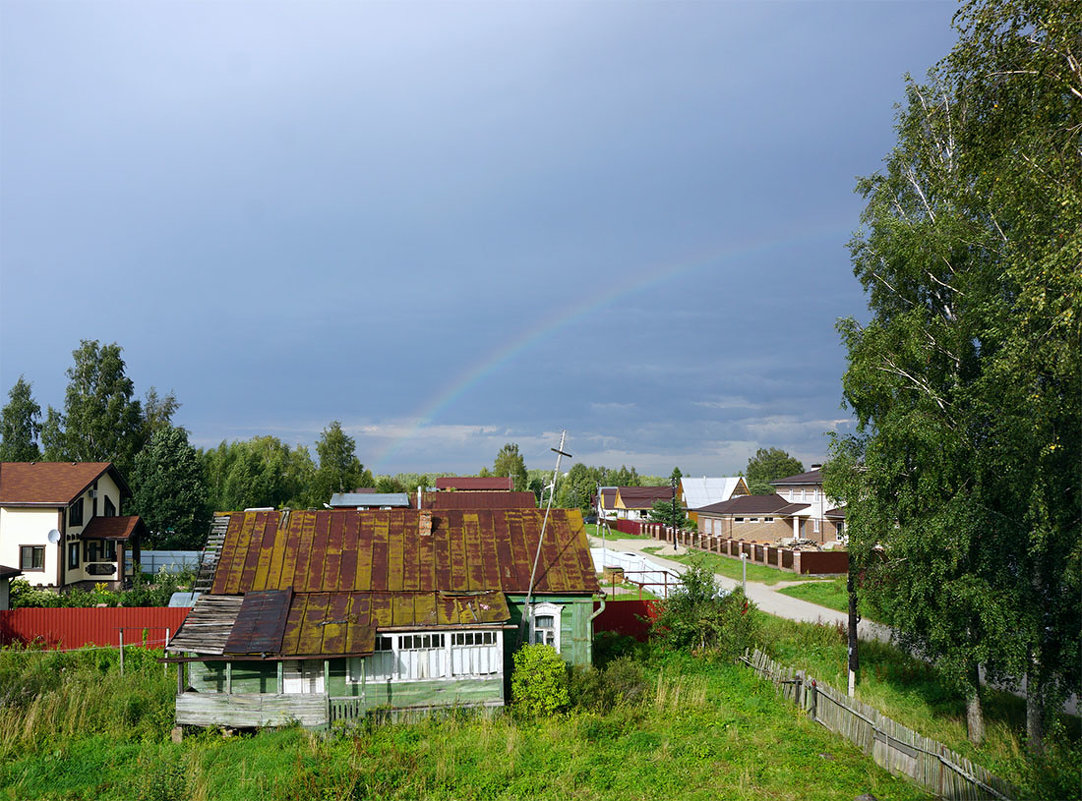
(383, 551)
(474, 483)
(51, 483)
(644, 497)
(835, 514)
(479, 500)
(114, 528)
(811, 477)
(608, 497)
(9, 572)
(753, 505)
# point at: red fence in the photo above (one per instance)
(73, 628)
(626, 617)
(626, 526)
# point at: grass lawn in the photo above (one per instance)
(612, 534)
(731, 568)
(700, 730)
(831, 593)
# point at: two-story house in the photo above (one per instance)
(60, 524)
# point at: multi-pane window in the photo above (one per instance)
(303, 676)
(110, 509)
(73, 555)
(75, 513)
(545, 625)
(32, 557)
(432, 655)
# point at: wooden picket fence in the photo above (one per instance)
(893, 746)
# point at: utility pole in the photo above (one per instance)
(672, 482)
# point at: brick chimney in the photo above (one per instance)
(424, 523)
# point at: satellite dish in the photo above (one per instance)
(54, 536)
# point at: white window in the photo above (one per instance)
(768, 520)
(738, 520)
(545, 625)
(475, 653)
(432, 655)
(303, 676)
(753, 520)
(815, 525)
(792, 494)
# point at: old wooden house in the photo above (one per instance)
(324, 616)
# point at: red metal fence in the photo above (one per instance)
(73, 628)
(626, 617)
(626, 526)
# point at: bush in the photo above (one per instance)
(622, 683)
(699, 616)
(539, 683)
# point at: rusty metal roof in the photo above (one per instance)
(340, 551)
(479, 500)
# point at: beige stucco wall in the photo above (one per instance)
(29, 526)
(106, 488)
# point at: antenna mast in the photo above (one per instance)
(560, 454)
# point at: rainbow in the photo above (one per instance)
(647, 278)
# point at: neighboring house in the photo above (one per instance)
(478, 500)
(635, 503)
(824, 519)
(6, 575)
(765, 518)
(475, 484)
(59, 524)
(324, 616)
(370, 500)
(606, 502)
(694, 493)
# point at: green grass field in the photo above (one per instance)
(71, 727)
(701, 731)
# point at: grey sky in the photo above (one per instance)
(451, 225)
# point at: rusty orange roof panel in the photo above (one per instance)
(384, 551)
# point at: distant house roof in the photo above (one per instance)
(475, 483)
(699, 492)
(114, 528)
(753, 505)
(835, 514)
(52, 483)
(351, 500)
(642, 497)
(811, 477)
(323, 582)
(608, 497)
(479, 500)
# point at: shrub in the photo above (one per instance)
(699, 616)
(539, 683)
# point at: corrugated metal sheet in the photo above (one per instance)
(260, 623)
(479, 500)
(73, 628)
(383, 551)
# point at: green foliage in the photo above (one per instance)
(509, 463)
(171, 491)
(339, 468)
(145, 591)
(539, 684)
(965, 381)
(699, 616)
(262, 471)
(622, 682)
(663, 512)
(102, 422)
(769, 464)
(19, 425)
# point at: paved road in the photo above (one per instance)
(765, 596)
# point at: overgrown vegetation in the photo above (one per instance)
(699, 616)
(659, 726)
(154, 590)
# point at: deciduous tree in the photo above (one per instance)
(509, 463)
(767, 465)
(339, 468)
(966, 380)
(19, 425)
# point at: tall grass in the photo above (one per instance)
(48, 698)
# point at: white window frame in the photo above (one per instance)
(546, 610)
(399, 657)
